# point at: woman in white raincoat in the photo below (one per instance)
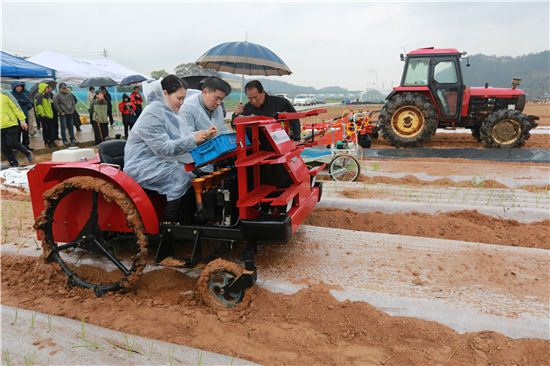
(157, 144)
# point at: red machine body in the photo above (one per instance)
(294, 196)
(74, 210)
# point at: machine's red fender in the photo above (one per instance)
(47, 175)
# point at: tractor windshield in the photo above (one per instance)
(417, 72)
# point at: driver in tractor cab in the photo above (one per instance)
(262, 104)
(155, 150)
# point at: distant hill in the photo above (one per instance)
(533, 69)
(274, 86)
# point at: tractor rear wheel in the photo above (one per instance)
(99, 260)
(506, 128)
(408, 120)
(476, 134)
(216, 275)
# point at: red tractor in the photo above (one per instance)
(432, 95)
(91, 214)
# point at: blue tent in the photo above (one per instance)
(15, 67)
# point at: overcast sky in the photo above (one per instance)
(324, 44)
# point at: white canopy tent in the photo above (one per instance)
(75, 70)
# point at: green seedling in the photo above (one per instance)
(231, 361)
(375, 166)
(86, 343)
(27, 360)
(170, 356)
(33, 320)
(16, 316)
(49, 323)
(199, 359)
(130, 346)
(150, 353)
(6, 357)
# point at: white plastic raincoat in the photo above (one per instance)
(156, 146)
(196, 117)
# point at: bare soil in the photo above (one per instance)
(309, 327)
(440, 182)
(461, 225)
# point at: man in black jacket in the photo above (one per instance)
(262, 104)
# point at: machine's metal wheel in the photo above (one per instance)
(408, 120)
(214, 277)
(344, 168)
(79, 259)
(506, 128)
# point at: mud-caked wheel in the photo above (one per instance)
(215, 276)
(476, 133)
(344, 168)
(408, 120)
(506, 128)
(95, 259)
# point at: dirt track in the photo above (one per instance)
(463, 225)
(310, 327)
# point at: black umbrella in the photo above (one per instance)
(132, 79)
(99, 81)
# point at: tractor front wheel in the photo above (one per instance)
(214, 277)
(506, 128)
(408, 120)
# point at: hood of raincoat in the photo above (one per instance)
(125, 96)
(42, 87)
(15, 84)
(160, 138)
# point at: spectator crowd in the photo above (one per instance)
(26, 113)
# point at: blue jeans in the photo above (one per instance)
(67, 124)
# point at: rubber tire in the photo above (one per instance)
(364, 141)
(476, 134)
(404, 99)
(216, 266)
(489, 123)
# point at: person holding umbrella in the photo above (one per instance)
(262, 104)
(203, 110)
(99, 116)
(108, 99)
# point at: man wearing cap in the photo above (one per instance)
(64, 103)
(262, 104)
(203, 110)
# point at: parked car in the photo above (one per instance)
(319, 100)
(301, 99)
(284, 96)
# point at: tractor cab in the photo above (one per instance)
(439, 71)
